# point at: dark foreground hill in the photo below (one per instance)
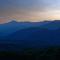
(37, 36)
(29, 38)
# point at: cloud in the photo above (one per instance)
(29, 10)
(4, 20)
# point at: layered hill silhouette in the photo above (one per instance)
(30, 34)
(13, 26)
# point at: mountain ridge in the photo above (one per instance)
(33, 36)
(13, 26)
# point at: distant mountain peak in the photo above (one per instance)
(13, 21)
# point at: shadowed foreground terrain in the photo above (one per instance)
(50, 53)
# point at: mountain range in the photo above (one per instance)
(30, 34)
(14, 26)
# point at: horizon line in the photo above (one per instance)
(28, 21)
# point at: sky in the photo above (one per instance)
(29, 10)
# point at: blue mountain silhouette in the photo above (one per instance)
(31, 34)
(13, 26)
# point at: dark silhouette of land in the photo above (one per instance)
(37, 41)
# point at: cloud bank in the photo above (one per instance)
(29, 10)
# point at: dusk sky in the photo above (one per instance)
(29, 10)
